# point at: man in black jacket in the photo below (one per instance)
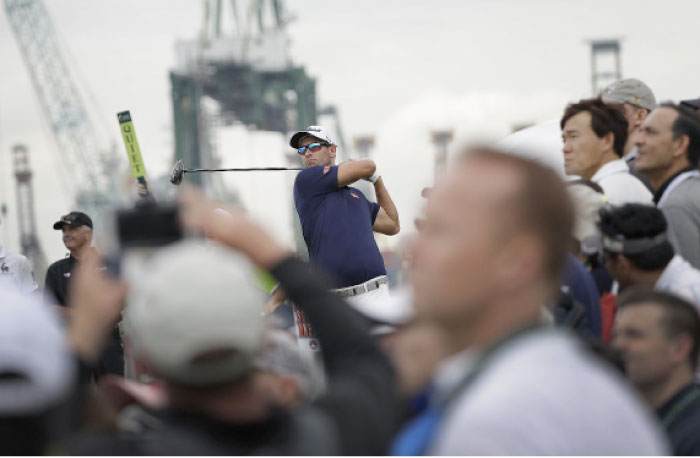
(200, 335)
(77, 230)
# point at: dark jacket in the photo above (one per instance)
(681, 417)
(57, 279)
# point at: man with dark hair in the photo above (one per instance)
(658, 336)
(594, 136)
(668, 151)
(509, 385)
(637, 251)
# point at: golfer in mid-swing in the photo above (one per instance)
(338, 221)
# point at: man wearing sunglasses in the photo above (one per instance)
(338, 221)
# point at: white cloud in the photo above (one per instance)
(405, 154)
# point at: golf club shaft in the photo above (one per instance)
(249, 169)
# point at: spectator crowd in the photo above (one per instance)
(543, 316)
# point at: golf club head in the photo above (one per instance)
(177, 172)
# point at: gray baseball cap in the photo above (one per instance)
(195, 317)
(632, 91)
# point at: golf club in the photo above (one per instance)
(179, 171)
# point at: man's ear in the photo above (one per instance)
(608, 141)
(682, 347)
(680, 145)
(639, 116)
(332, 148)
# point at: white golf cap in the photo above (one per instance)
(195, 317)
(587, 202)
(36, 368)
(319, 132)
(388, 313)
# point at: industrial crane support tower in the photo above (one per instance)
(28, 239)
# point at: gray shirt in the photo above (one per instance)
(681, 207)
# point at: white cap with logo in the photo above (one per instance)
(319, 132)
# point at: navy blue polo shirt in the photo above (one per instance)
(337, 226)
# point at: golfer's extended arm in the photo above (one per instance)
(351, 171)
(387, 221)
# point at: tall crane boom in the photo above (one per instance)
(89, 168)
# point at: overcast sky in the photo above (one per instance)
(396, 69)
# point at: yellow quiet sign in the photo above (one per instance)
(138, 169)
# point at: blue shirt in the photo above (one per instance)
(337, 226)
(584, 290)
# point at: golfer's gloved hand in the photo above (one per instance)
(373, 179)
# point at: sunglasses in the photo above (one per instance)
(313, 147)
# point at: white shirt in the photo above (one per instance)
(620, 186)
(681, 279)
(544, 394)
(16, 272)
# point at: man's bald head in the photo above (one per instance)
(534, 199)
(496, 223)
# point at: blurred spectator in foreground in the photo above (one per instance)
(637, 251)
(668, 154)
(287, 375)
(36, 375)
(636, 100)
(415, 348)
(658, 335)
(594, 137)
(510, 386)
(200, 333)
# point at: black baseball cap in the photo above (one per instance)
(73, 219)
(692, 103)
